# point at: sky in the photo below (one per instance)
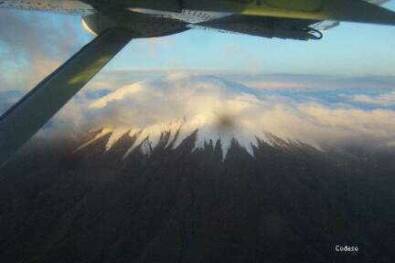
(335, 91)
(350, 49)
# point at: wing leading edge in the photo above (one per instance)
(60, 6)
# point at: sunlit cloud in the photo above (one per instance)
(221, 109)
(387, 99)
(273, 85)
(25, 58)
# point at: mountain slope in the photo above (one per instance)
(287, 203)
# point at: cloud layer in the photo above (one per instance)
(386, 99)
(223, 109)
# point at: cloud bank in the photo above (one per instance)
(25, 57)
(223, 109)
(387, 99)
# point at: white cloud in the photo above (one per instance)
(119, 94)
(275, 85)
(25, 59)
(387, 99)
(219, 109)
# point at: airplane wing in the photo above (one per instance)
(60, 6)
(274, 25)
(341, 10)
(328, 24)
(269, 27)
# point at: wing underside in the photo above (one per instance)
(60, 6)
(328, 24)
(268, 27)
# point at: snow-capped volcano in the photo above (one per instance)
(222, 109)
(184, 103)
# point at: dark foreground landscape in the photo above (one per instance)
(287, 203)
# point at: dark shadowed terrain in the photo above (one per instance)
(287, 203)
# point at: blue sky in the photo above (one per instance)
(349, 49)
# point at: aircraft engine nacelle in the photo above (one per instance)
(97, 23)
(141, 25)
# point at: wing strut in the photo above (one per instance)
(37, 107)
